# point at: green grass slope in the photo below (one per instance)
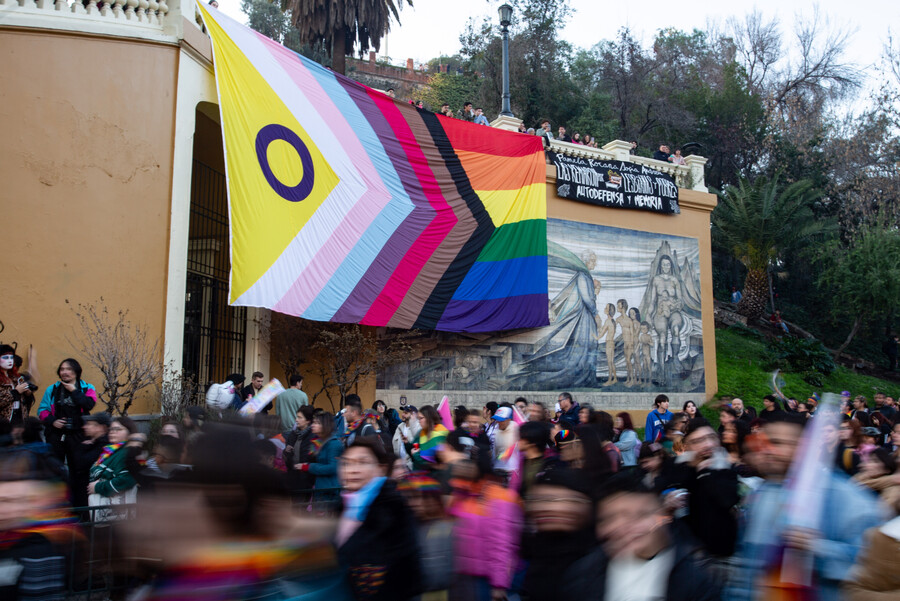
(741, 359)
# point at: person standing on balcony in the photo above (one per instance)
(662, 154)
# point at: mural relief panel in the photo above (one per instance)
(625, 316)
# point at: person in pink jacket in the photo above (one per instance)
(488, 528)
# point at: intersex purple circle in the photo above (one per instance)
(266, 136)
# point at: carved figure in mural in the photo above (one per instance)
(665, 309)
(625, 322)
(608, 329)
(567, 354)
(635, 314)
(645, 341)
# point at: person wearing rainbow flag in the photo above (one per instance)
(423, 451)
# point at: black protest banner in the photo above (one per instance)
(617, 184)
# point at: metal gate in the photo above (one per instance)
(214, 333)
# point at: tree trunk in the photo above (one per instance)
(771, 288)
(850, 336)
(339, 51)
(753, 301)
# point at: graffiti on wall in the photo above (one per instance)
(625, 315)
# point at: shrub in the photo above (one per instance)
(807, 357)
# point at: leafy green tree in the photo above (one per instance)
(758, 223)
(450, 88)
(863, 277)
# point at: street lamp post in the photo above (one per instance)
(505, 19)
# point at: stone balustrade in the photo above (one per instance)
(686, 176)
(148, 19)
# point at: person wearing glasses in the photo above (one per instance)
(110, 481)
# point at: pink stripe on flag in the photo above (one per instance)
(387, 302)
(328, 258)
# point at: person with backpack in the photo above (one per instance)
(657, 419)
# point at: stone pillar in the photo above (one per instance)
(371, 57)
(698, 175)
(620, 149)
(409, 64)
(507, 123)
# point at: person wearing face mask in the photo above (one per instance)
(15, 393)
(639, 558)
(62, 408)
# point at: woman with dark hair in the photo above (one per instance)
(628, 442)
(460, 414)
(690, 409)
(878, 420)
(423, 451)
(325, 449)
(62, 408)
(297, 450)
(110, 481)
(585, 414)
(376, 534)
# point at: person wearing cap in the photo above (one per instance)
(96, 434)
(506, 437)
(407, 430)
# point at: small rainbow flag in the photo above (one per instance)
(347, 205)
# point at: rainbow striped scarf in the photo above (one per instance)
(107, 451)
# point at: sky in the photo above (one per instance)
(430, 28)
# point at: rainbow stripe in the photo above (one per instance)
(347, 205)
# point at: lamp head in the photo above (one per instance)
(505, 11)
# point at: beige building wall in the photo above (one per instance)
(86, 164)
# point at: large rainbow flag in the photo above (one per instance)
(347, 205)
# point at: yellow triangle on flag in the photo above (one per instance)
(277, 176)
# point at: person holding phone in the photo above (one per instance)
(62, 408)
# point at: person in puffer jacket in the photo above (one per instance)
(487, 532)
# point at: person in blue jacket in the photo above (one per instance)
(325, 450)
(655, 428)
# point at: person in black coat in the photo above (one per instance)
(705, 471)
(639, 556)
(376, 535)
(96, 429)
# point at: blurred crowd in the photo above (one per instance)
(514, 500)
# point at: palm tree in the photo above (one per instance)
(757, 225)
(343, 25)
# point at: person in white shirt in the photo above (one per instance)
(408, 429)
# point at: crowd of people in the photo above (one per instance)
(518, 500)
